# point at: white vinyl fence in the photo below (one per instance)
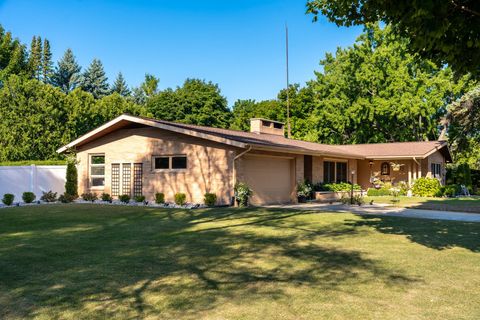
(37, 179)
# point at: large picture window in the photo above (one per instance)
(334, 172)
(97, 170)
(170, 162)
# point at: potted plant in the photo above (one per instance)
(304, 190)
(242, 193)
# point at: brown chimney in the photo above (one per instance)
(259, 125)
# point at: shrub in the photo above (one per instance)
(106, 197)
(451, 190)
(210, 199)
(358, 200)
(304, 189)
(125, 198)
(403, 188)
(159, 198)
(49, 196)
(180, 198)
(335, 187)
(242, 193)
(28, 197)
(426, 187)
(88, 196)
(372, 192)
(71, 184)
(66, 198)
(8, 199)
(140, 198)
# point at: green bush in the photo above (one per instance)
(358, 199)
(49, 196)
(88, 196)
(242, 193)
(159, 198)
(335, 187)
(125, 198)
(8, 199)
(304, 189)
(426, 187)
(66, 198)
(210, 199)
(451, 190)
(180, 198)
(28, 197)
(106, 197)
(140, 198)
(372, 192)
(71, 184)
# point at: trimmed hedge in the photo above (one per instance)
(8, 199)
(426, 187)
(159, 198)
(180, 198)
(210, 199)
(35, 162)
(28, 197)
(372, 192)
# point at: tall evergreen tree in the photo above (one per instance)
(35, 57)
(46, 62)
(94, 80)
(120, 86)
(67, 73)
(13, 56)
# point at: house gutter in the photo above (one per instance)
(238, 156)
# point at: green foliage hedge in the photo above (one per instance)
(336, 187)
(8, 199)
(125, 198)
(35, 162)
(210, 199)
(139, 199)
(71, 183)
(49, 196)
(180, 198)
(28, 197)
(89, 196)
(426, 187)
(159, 198)
(372, 192)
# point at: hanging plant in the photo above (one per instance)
(396, 166)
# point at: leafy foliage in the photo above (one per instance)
(140, 199)
(159, 198)
(8, 199)
(28, 197)
(49, 196)
(372, 192)
(242, 193)
(66, 198)
(125, 198)
(180, 198)
(210, 199)
(443, 31)
(426, 187)
(106, 197)
(89, 196)
(71, 183)
(336, 187)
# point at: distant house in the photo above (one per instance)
(142, 156)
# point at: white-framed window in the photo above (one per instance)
(173, 162)
(436, 169)
(97, 170)
(334, 172)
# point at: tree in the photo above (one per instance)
(150, 85)
(375, 91)
(120, 86)
(442, 31)
(67, 73)
(46, 62)
(196, 102)
(94, 80)
(71, 181)
(12, 56)
(35, 57)
(464, 129)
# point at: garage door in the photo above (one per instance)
(269, 178)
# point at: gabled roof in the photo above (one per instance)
(242, 139)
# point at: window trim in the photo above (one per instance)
(388, 168)
(170, 163)
(92, 176)
(432, 170)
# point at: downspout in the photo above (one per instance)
(234, 167)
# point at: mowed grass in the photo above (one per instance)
(104, 262)
(466, 204)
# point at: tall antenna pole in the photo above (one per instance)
(288, 84)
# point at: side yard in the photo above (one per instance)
(465, 204)
(95, 262)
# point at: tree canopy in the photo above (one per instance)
(442, 31)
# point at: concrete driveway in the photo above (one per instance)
(377, 209)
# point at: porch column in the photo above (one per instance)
(414, 169)
(419, 168)
(410, 173)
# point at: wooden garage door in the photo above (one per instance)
(269, 178)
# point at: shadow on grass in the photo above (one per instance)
(435, 234)
(93, 261)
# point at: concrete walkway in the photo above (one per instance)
(377, 209)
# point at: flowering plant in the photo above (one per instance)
(242, 193)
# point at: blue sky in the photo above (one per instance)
(238, 44)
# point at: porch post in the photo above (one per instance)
(419, 168)
(410, 173)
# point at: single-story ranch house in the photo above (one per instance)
(142, 156)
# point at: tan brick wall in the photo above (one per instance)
(209, 164)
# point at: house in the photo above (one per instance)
(142, 156)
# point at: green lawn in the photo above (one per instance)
(101, 262)
(467, 204)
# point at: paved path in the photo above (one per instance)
(388, 211)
